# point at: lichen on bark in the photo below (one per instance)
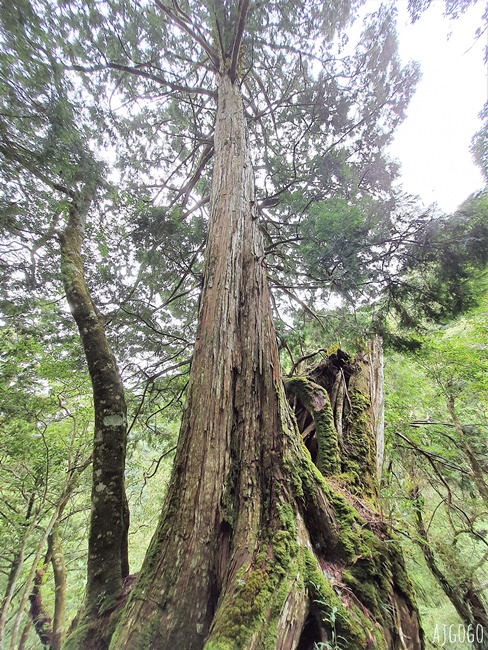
(109, 522)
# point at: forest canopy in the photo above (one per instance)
(206, 255)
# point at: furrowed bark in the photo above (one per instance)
(252, 537)
(375, 578)
(231, 420)
(107, 544)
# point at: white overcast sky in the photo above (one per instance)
(433, 143)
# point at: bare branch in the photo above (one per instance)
(242, 9)
(304, 358)
(183, 24)
(188, 187)
(431, 456)
(136, 70)
(291, 295)
(198, 205)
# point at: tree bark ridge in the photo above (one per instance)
(250, 527)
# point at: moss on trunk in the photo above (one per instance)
(256, 548)
(317, 403)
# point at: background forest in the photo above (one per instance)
(106, 148)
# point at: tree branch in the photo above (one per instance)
(134, 70)
(10, 152)
(430, 455)
(291, 295)
(184, 26)
(242, 9)
(186, 190)
(304, 358)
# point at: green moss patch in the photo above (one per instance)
(316, 400)
(359, 453)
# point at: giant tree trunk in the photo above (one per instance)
(255, 548)
(107, 544)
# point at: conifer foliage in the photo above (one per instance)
(240, 116)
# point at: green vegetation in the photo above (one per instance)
(435, 486)
(107, 150)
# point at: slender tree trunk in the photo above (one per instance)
(59, 570)
(40, 618)
(107, 544)
(16, 568)
(68, 488)
(252, 537)
(25, 635)
(464, 598)
(377, 381)
(50, 630)
(477, 471)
